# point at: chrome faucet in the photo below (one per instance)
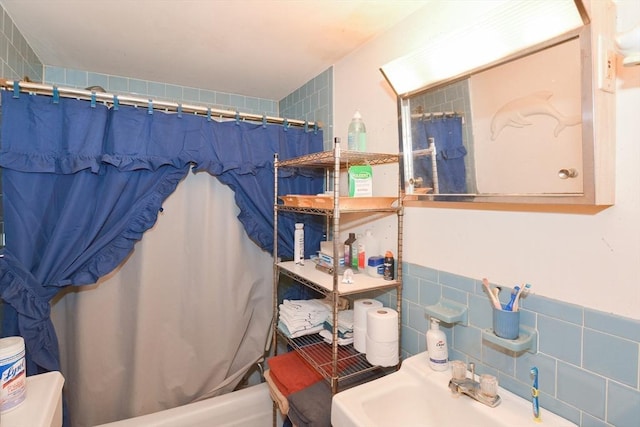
(471, 388)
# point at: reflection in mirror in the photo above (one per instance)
(515, 129)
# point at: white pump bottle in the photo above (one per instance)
(437, 347)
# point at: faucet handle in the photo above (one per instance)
(458, 369)
(488, 386)
(472, 368)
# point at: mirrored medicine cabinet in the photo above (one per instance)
(516, 132)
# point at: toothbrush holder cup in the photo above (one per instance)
(506, 324)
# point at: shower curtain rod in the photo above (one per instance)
(110, 98)
(437, 114)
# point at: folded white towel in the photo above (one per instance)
(295, 334)
(306, 306)
(302, 317)
(347, 333)
(328, 338)
(345, 320)
(299, 325)
(313, 318)
(295, 315)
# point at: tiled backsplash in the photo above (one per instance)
(588, 360)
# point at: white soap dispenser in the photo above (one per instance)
(437, 347)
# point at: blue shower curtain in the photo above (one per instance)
(447, 133)
(83, 182)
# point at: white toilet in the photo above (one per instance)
(42, 406)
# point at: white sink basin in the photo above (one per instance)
(417, 396)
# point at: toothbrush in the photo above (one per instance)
(534, 395)
(514, 294)
(495, 302)
(523, 291)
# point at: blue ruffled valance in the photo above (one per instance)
(66, 136)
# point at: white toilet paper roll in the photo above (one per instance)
(360, 308)
(382, 325)
(382, 353)
(360, 339)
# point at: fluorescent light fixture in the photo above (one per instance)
(507, 29)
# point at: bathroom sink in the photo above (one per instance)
(417, 396)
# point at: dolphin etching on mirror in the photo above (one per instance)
(515, 113)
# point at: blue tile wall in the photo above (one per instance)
(313, 102)
(17, 58)
(623, 405)
(160, 91)
(588, 360)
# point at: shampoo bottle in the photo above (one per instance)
(298, 244)
(437, 347)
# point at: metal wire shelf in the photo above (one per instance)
(330, 212)
(341, 366)
(318, 353)
(326, 159)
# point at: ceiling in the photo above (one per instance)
(261, 48)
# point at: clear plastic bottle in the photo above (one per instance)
(367, 247)
(357, 135)
(362, 259)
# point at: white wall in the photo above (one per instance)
(589, 260)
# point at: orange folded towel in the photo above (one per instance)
(291, 373)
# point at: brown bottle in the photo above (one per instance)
(348, 250)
